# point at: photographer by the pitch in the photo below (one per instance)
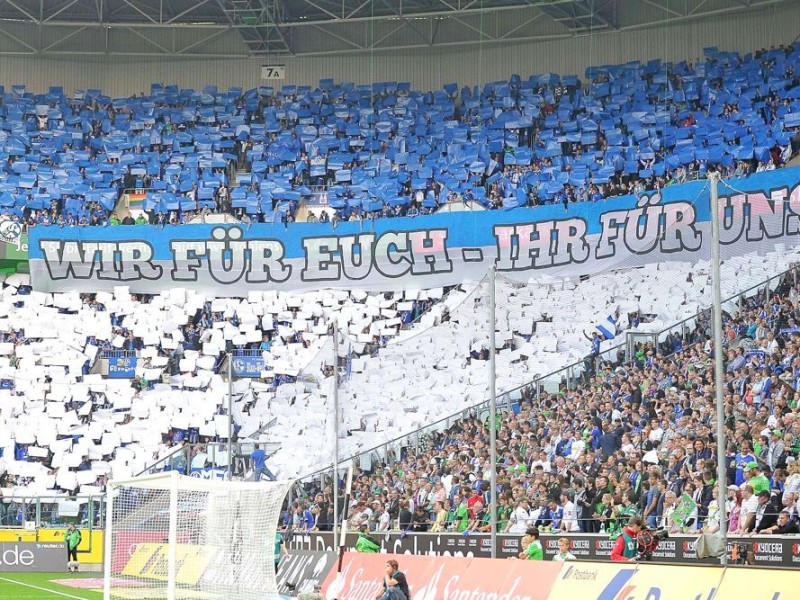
(625, 548)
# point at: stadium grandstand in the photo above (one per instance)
(452, 267)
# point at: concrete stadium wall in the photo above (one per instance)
(424, 68)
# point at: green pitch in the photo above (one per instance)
(42, 586)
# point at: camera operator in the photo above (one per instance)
(625, 548)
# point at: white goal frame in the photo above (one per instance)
(272, 494)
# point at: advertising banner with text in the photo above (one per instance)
(303, 572)
(33, 557)
(771, 551)
(361, 577)
(459, 578)
(756, 214)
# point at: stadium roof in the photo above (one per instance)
(239, 28)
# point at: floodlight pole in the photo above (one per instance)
(719, 373)
(335, 433)
(492, 506)
(230, 416)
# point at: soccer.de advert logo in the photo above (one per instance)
(795, 553)
(578, 547)
(690, 549)
(603, 547)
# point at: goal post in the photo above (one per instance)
(172, 537)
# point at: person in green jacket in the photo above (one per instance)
(462, 516)
(503, 514)
(533, 549)
(73, 539)
(365, 543)
(141, 220)
(756, 478)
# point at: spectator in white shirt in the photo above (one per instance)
(712, 521)
(790, 504)
(747, 516)
(541, 462)
(669, 507)
(447, 481)
(792, 483)
(563, 551)
(627, 446)
(578, 446)
(519, 519)
(656, 433)
(384, 519)
(569, 518)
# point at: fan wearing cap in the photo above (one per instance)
(755, 478)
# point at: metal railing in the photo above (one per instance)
(208, 460)
(248, 352)
(26, 512)
(605, 525)
(117, 353)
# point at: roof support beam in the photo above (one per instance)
(665, 9)
(529, 38)
(141, 12)
(325, 10)
(186, 12)
(59, 11)
(521, 25)
(696, 8)
(202, 41)
(357, 10)
(22, 43)
(376, 43)
(22, 10)
(149, 41)
(419, 14)
(338, 37)
(478, 30)
(434, 23)
(407, 21)
(709, 13)
(63, 39)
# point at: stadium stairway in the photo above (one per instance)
(237, 176)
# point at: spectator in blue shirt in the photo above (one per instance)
(742, 458)
(609, 442)
(259, 458)
(308, 521)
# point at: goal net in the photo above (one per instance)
(174, 537)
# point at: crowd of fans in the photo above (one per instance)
(386, 150)
(179, 339)
(633, 438)
(93, 428)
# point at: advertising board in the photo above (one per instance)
(33, 557)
